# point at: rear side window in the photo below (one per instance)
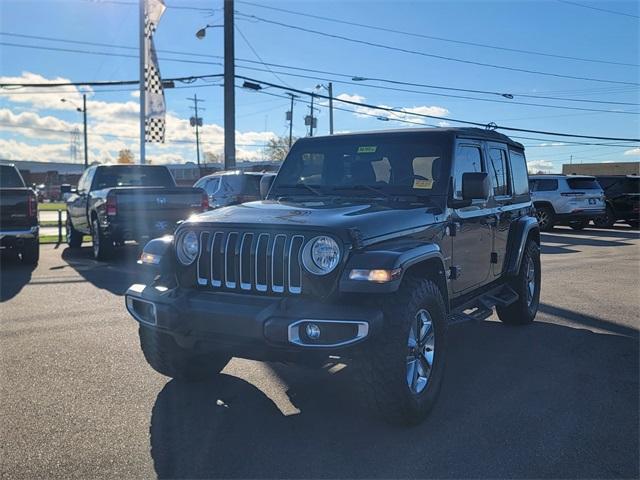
(544, 185)
(519, 173)
(583, 184)
(498, 171)
(252, 185)
(10, 178)
(210, 185)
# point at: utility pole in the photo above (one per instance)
(84, 118)
(330, 88)
(311, 121)
(229, 89)
(196, 121)
(290, 115)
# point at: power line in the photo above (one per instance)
(289, 67)
(429, 55)
(594, 8)
(465, 122)
(432, 37)
(246, 40)
(188, 79)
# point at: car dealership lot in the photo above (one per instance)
(556, 399)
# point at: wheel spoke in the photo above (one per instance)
(412, 373)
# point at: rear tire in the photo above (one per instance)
(546, 218)
(606, 221)
(74, 237)
(165, 356)
(527, 286)
(633, 223)
(579, 225)
(400, 372)
(31, 252)
(102, 245)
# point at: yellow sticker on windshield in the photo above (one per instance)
(371, 149)
(419, 183)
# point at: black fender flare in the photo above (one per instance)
(521, 230)
(401, 258)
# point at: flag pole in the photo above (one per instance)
(143, 51)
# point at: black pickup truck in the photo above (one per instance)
(622, 196)
(18, 215)
(116, 203)
(367, 247)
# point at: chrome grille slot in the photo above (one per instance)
(250, 261)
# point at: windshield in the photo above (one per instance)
(9, 177)
(364, 165)
(132, 176)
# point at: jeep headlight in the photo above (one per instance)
(321, 255)
(187, 247)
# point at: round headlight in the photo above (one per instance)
(321, 255)
(188, 247)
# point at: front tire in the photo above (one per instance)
(401, 372)
(545, 217)
(165, 356)
(102, 245)
(527, 286)
(31, 252)
(74, 237)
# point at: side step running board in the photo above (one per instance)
(481, 307)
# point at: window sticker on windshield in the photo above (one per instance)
(419, 183)
(370, 149)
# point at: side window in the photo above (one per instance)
(89, 179)
(498, 171)
(211, 186)
(546, 185)
(519, 173)
(82, 183)
(468, 159)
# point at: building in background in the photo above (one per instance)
(613, 168)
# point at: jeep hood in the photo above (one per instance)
(371, 219)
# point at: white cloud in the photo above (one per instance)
(43, 99)
(535, 166)
(633, 151)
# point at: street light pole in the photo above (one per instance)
(84, 118)
(229, 89)
(311, 123)
(291, 121)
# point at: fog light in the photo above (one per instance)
(313, 331)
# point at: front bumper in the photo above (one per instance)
(252, 326)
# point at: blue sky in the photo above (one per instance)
(553, 27)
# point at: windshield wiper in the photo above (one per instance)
(363, 187)
(308, 187)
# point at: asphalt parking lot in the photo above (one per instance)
(555, 399)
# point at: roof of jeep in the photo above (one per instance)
(453, 132)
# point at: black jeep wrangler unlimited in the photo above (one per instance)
(366, 247)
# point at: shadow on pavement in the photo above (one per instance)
(562, 243)
(14, 275)
(115, 276)
(511, 406)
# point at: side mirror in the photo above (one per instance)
(475, 186)
(265, 185)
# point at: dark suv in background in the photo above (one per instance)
(231, 188)
(622, 196)
(365, 248)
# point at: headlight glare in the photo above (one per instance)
(188, 247)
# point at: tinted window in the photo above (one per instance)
(389, 164)
(583, 184)
(545, 185)
(519, 173)
(131, 176)
(10, 178)
(498, 171)
(468, 159)
(252, 185)
(210, 185)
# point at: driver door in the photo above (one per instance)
(472, 229)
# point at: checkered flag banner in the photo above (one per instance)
(155, 107)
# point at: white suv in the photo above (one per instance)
(572, 200)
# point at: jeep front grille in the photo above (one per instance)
(250, 261)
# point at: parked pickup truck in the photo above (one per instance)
(18, 215)
(116, 203)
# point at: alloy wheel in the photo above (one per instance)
(530, 276)
(421, 352)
